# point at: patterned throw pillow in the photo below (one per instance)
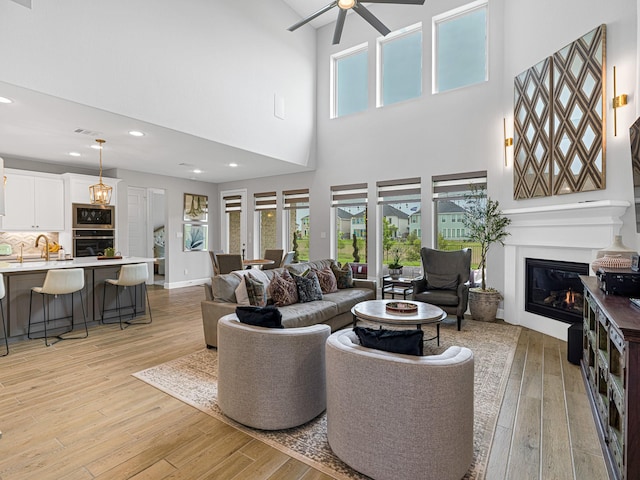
(308, 287)
(327, 279)
(344, 276)
(255, 291)
(283, 290)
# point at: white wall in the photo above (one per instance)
(208, 68)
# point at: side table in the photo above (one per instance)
(400, 286)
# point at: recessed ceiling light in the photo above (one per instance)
(74, 154)
(136, 133)
(197, 170)
(233, 165)
(5, 100)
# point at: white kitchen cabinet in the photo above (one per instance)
(33, 202)
(79, 187)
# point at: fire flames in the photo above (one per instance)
(570, 298)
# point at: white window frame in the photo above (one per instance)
(450, 15)
(403, 32)
(333, 107)
(224, 227)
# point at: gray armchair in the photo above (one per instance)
(445, 282)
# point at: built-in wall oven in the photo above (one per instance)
(92, 242)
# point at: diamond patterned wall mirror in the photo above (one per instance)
(559, 130)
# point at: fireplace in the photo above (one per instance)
(553, 289)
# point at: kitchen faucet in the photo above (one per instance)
(45, 251)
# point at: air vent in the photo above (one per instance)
(84, 131)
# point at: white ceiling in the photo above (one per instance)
(42, 127)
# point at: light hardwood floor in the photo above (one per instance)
(73, 411)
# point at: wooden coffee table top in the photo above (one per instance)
(375, 311)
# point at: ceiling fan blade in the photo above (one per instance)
(371, 18)
(324, 9)
(399, 2)
(337, 33)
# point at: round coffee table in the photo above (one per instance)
(376, 311)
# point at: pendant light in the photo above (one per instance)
(100, 194)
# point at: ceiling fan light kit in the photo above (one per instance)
(356, 6)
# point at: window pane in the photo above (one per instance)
(461, 50)
(234, 232)
(267, 230)
(351, 221)
(351, 85)
(402, 68)
(299, 224)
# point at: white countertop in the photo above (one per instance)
(30, 265)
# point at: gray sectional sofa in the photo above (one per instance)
(334, 309)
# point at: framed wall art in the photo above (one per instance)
(196, 208)
(196, 237)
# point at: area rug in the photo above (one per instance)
(193, 380)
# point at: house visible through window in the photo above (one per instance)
(350, 212)
(450, 197)
(297, 222)
(460, 47)
(400, 204)
(349, 81)
(265, 205)
(400, 65)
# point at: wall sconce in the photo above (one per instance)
(508, 141)
(618, 101)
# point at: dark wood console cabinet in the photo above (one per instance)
(611, 370)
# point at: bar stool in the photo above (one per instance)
(4, 325)
(129, 276)
(59, 282)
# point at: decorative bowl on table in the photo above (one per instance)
(401, 307)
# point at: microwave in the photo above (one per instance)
(93, 216)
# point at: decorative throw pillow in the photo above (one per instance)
(308, 287)
(344, 276)
(327, 279)
(408, 342)
(255, 291)
(442, 281)
(269, 317)
(283, 290)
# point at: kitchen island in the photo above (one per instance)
(21, 277)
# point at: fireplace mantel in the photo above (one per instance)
(571, 232)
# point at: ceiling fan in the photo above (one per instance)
(356, 6)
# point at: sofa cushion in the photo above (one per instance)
(442, 281)
(344, 276)
(310, 313)
(299, 268)
(283, 289)
(224, 287)
(269, 317)
(407, 342)
(347, 298)
(327, 279)
(308, 287)
(255, 291)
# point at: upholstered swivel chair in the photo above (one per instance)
(393, 416)
(229, 262)
(59, 282)
(271, 378)
(133, 275)
(445, 281)
(274, 254)
(4, 325)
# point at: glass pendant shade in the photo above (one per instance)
(100, 194)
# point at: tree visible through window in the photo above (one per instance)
(460, 47)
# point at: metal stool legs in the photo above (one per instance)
(4, 331)
(133, 305)
(46, 311)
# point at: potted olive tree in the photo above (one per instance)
(486, 225)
